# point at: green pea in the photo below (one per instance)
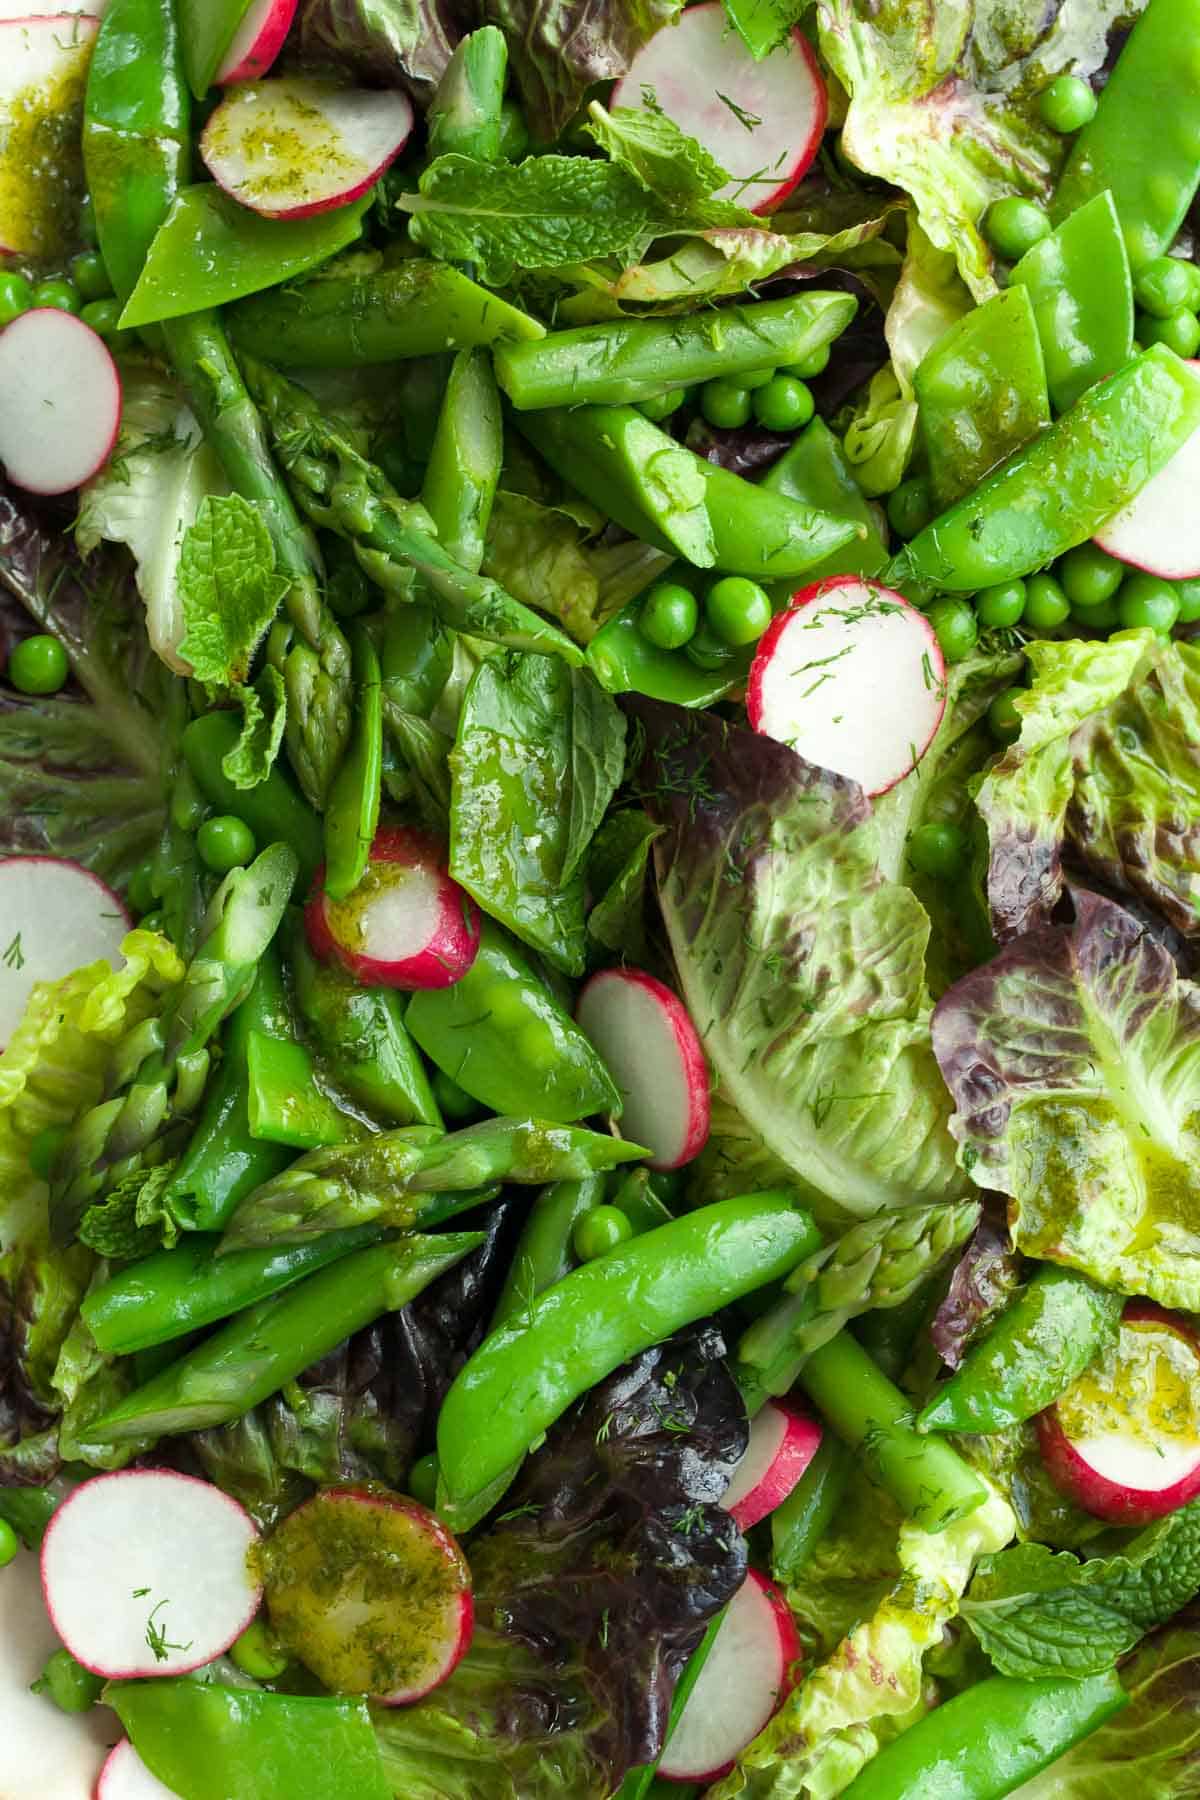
(598, 1231)
(1100, 618)
(812, 365)
(63, 296)
(259, 1653)
(140, 890)
(1147, 601)
(785, 404)
(725, 404)
(104, 317)
(1089, 576)
(1013, 226)
(423, 1479)
(90, 275)
(938, 850)
(38, 665)
(16, 296)
(663, 405)
(514, 132)
(72, 1688)
(1165, 286)
(956, 626)
(454, 1102)
(10, 1543)
(708, 651)
(1046, 606)
(1180, 333)
(1004, 721)
(668, 615)
(757, 378)
(1001, 605)
(154, 921)
(1188, 595)
(737, 610)
(1067, 104)
(910, 506)
(225, 843)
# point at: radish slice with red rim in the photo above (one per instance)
(407, 924)
(60, 401)
(647, 1040)
(1159, 529)
(126, 1777)
(783, 1441)
(257, 42)
(58, 917)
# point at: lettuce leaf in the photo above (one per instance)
(547, 557)
(559, 48)
(1074, 1062)
(404, 42)
(1104, 777)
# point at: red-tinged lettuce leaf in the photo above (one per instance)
(984, 1280)
(558, 49)
(1104, 780)
(1074, 1062)
(399, 42)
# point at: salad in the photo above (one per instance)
(599, 895)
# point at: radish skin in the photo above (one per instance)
(407, 925)
(126, 1777)
(57, 917)
(257, 42)
(60, 401)
(783, 1441)
(1159, 529)
(645, 1035)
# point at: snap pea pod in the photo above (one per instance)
(354, 798)
(273, 810)
(286, 1104)
(813, 471)
(525, 1375)
(623, 660)
(1082, 291)
(798, 1526)
(465, 112)
(669, 497)
(173, 1292)
(207, 28)
(625, 360)
(873, 1417)
(30, 1509)
(464, 464)
(270, 1344)
(1153, 89)
(543, 1254)
(1061, 488)
(361, 1035)
(504, 1038)
(1047, 1337)
(989, 1740)
(417, 307)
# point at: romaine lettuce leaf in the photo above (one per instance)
(546, 557)
(1074, 1062)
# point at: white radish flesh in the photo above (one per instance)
(291, 146)
(783, 1441)
(646, 1037)
(126, 1777)
(145, 1572)
(407, 924)
(257, 42)
(43, 70)
(853, 679)
(60, 401)
(1159, 529)
(747, 1674)
(55, 916)
(762, 121)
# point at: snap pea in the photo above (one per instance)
(525, 1375)
(637, 1197)
(1154, 90)
(1057, 491)
(989, 1740)
(417, 307)
(503, 1037)
(873, 1417)
(173, 1292)
(543, 1254)
(416, 659)
(353, 810)
(814, 472)
(1079, 282)
(623, 660)
(272, 810)
(464, 464)
(285, 1103)
(361, 1035)
(1046, 1338)
(622, 361)
(208, 28)
(464, 115)
(669, 497)
(798, 1526)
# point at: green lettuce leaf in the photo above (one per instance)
(558, 49)
(545, 556)
(1074, 1062)
(1104, 776)
(851, 1569)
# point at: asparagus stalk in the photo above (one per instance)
(340, 490)
(270, 1344)
(464, 465)
(465, 113)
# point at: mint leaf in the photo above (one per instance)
(676, 169)
(1037, 1612)
(129, 1222)
(543, 213)
(264, 714)
(229, 588)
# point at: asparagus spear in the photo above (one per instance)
(343, 492)
(464, 115)
(464, 464)
(270, 1344)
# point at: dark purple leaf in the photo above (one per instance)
(984, 1278)
(405, 43)
(746, 451)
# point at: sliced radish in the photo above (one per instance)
(370, 1592)
(1159, 530)
(783, 1441)
(762, 121)
(60, 401)
(146, 1572)
(1124, 1441)
(646, 1037)
(852, 677)
(257, 42)
(291, 146)
(55, 916)
(126, 1777)
(406, 925)
(749, 1672)
(43, 72)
